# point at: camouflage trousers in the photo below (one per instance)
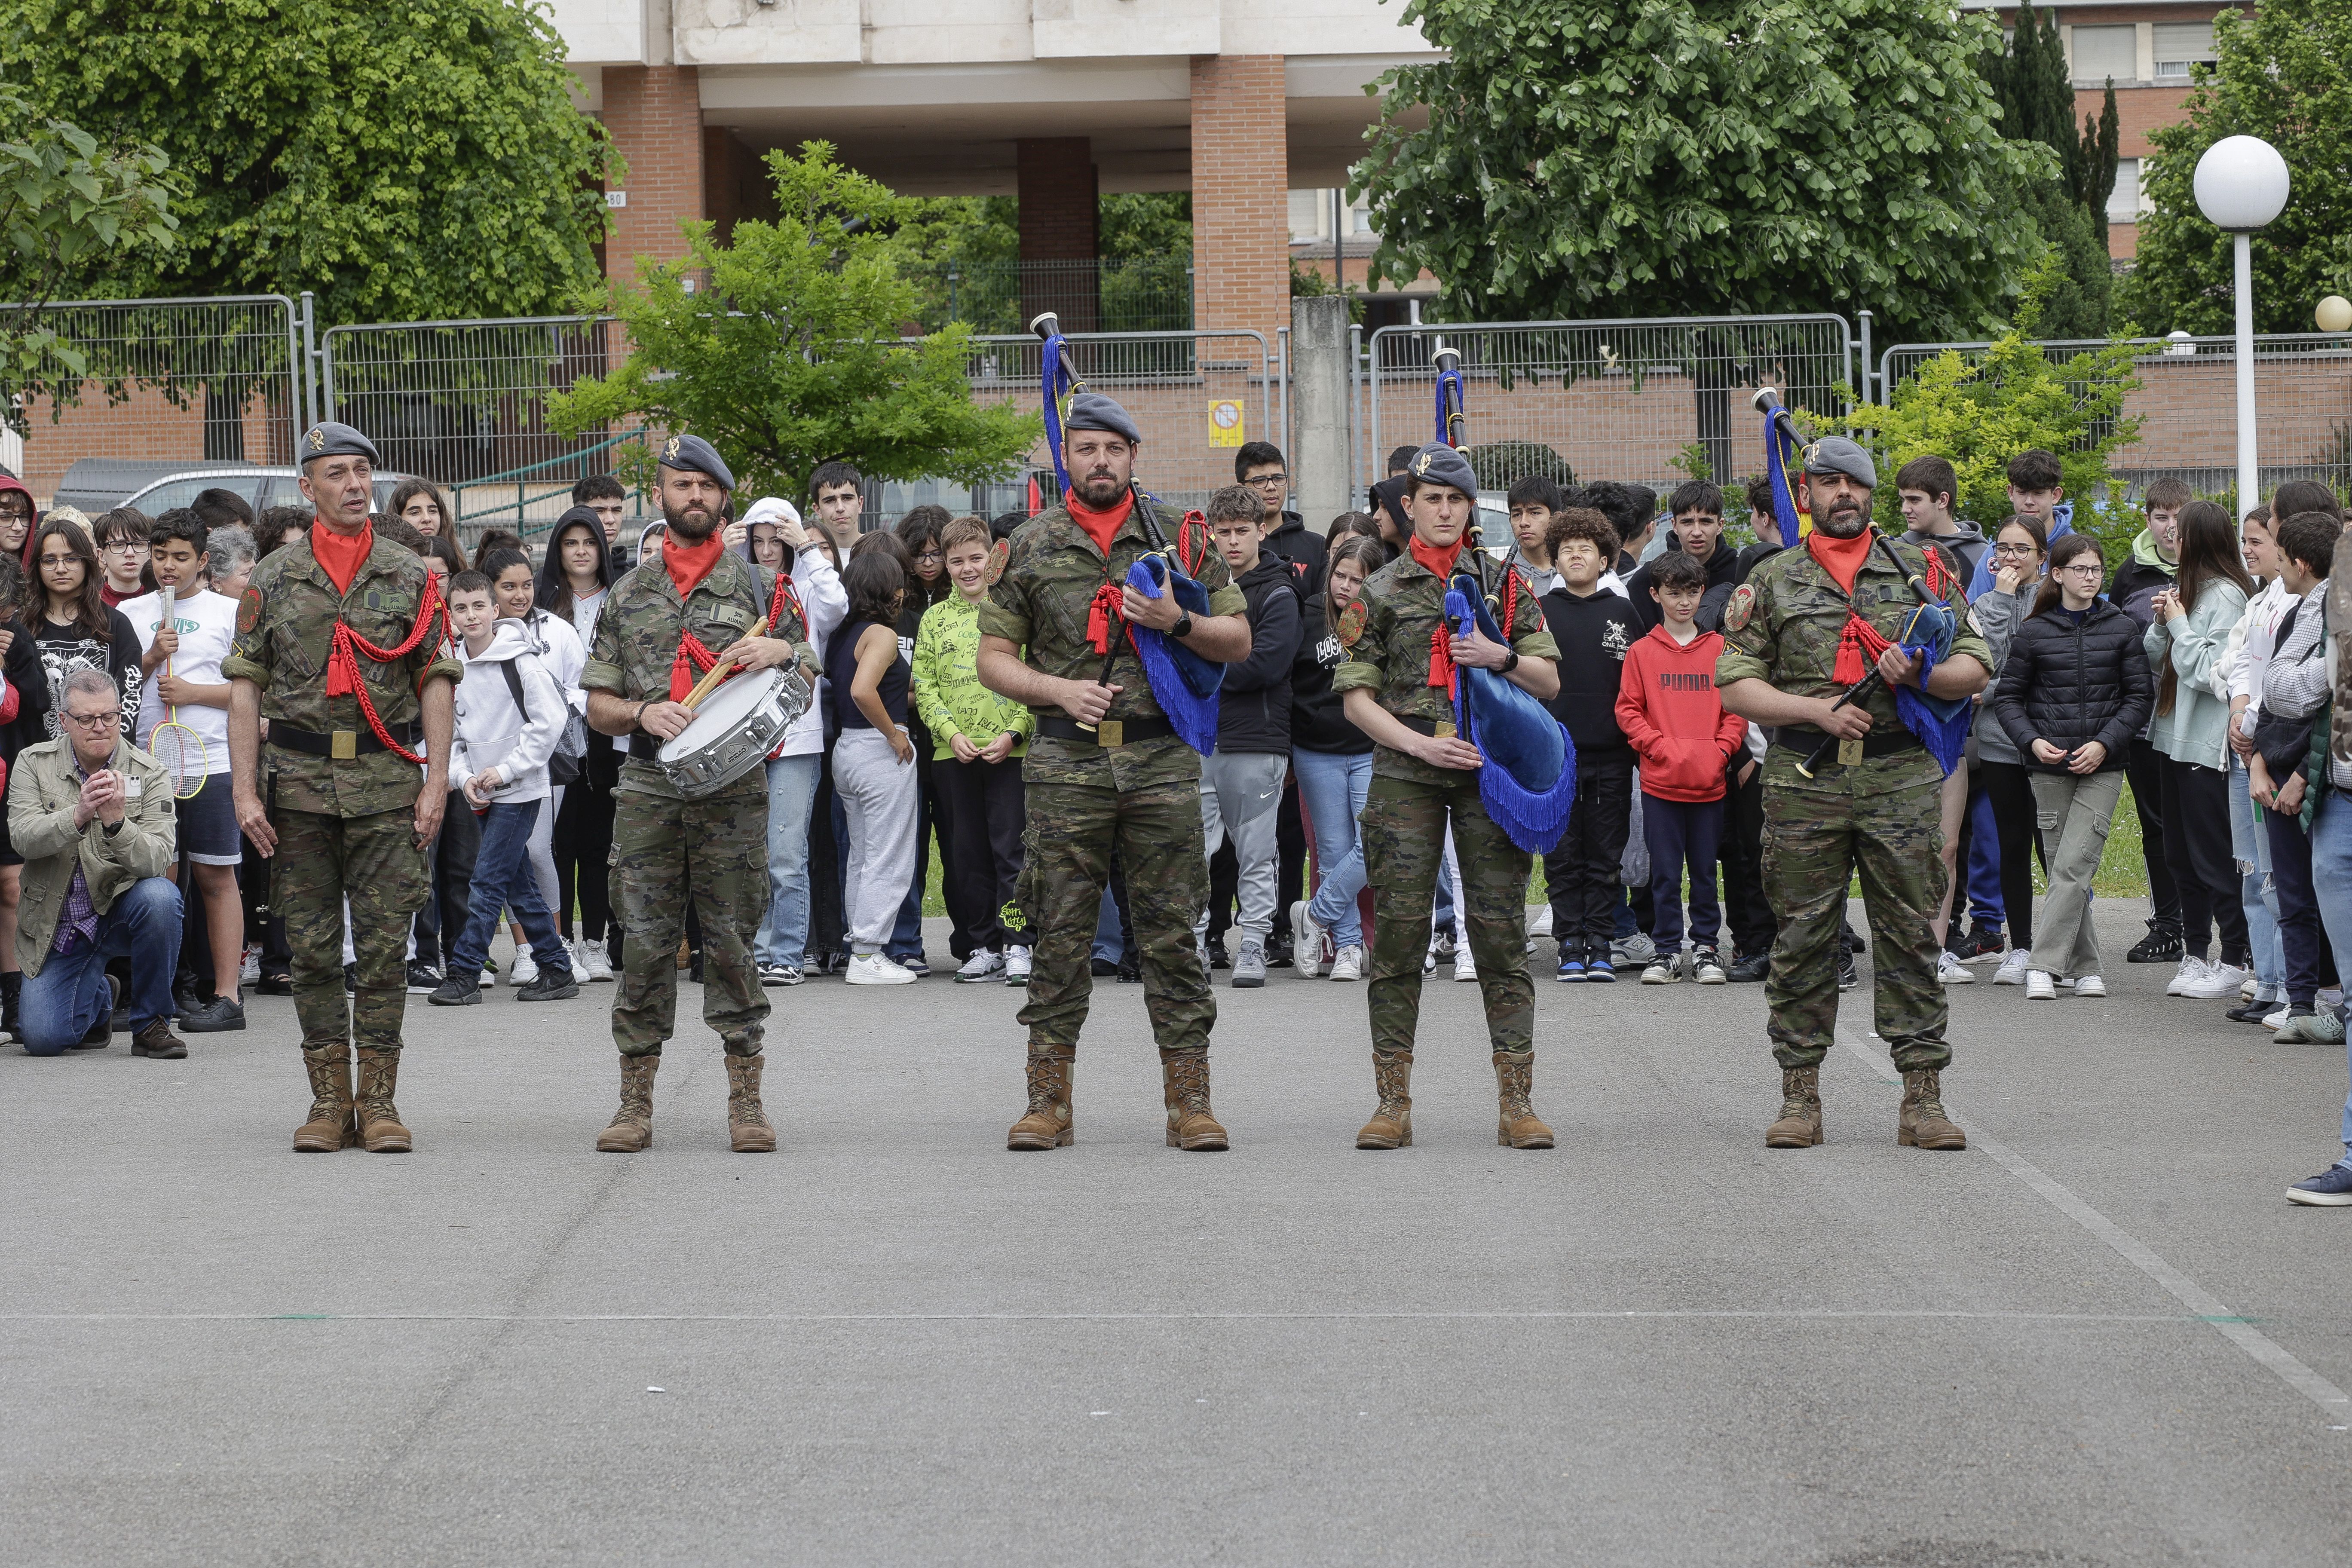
(1881, 819)
(1067, 842)
(374, 862)
(713, 851)
(1403, 828)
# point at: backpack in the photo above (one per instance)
(570, 758)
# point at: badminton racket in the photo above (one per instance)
(178, 749)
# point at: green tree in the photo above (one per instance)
(2036, 93)
(407, 161)
(2016, 397)
(2279, 74)
(1585, 158)
(68, 207)
(790, 356)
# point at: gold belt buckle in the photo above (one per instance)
(1444, 730)
(343, 745)
(1849, 753)
(1110, 732)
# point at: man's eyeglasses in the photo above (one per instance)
(1267, 481)
(94, 721)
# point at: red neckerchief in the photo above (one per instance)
(1859, 642)
(342, 554)
(1438, 561)
(1841, 558)
(687, 565)
(1101, 527)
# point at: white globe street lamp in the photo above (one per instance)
(2241, 184)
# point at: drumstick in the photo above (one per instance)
(719, 672)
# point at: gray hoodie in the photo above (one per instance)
(1969, 543)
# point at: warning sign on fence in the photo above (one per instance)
(1225, 426)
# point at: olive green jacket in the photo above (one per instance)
(44, 787)
(285, 627)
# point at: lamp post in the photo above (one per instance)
(2241, 184)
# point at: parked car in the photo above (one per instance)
(99, 484)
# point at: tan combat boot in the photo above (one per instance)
(1922, 1123)
(748, 1129)
(1048, 1123)
(1192, 1125)
(1515, 1079)
(1392, 1123)
(380, 1128)
(630, 1130)
(331, 1126)
(1800, 1126)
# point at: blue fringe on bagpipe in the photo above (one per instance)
(1528, 783)
(1184, 684)
(1941, 723)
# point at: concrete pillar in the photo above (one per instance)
(1241, 193)
(1060, 230)
(654, 115)
(1321, 482)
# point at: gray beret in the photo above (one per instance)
(1439, 464)
(332, 441)
(1093, 411)
(693, 455)
(1836, 455)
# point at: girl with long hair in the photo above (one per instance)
(420, 504)
(2019, 545)
(573, 582)
(2249, 850)
(873, 761)
(1333, 762)
(21, 659)
(74, 628)
(2185, 646)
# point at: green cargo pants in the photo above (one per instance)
(715, 852)
(374, 862)
(1403, 828)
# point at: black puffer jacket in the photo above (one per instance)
(2071, 685)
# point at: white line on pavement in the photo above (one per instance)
(2206, 1306)
(1809, 1314)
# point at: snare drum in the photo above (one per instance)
(733, 730)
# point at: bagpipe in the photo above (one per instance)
(1941, 723)
(1183, 684)
(1528, 780)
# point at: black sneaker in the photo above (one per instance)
(1753, 967)
(1130, 970)
(553, 985)
(424, 979)
(219, 1014)
(1217, 958)
(1981, 942)
(1855, 941)
(1847, 976)
(1101, 968)
(461, 990)
(2159, 946)
(1277, 950)
(274, 985)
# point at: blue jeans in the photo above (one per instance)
(1682, 834)
(1332, 786)
(2250, 846)
(69, 993)
(503, 877)
(2331, 878)
(1983, 868)
(792, 791)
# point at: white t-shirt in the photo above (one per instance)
(207, 625)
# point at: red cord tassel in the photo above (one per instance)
(692, 661)
(1859, 646)
(1106, 602)
(1441, 657)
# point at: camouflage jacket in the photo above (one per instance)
(637, 634)
(285, 625)
(1039, 601)
(1783, 624)
(1404, 603)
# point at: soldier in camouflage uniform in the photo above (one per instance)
(1422, 773)
(667, 849)
(1872, 808)
(1105, 772)
(348, 811)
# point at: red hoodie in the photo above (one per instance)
(1668, 706)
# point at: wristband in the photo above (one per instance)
(1511, 661)
(637, 720)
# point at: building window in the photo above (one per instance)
(2123, 202)
(2178, 45)
(2101, 53)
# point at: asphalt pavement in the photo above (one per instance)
(2100, 1336)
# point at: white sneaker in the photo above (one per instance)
(249, 972)
(2251, 988)
(2012, 968)
(1307, 939)
(1539, 926)
(2191, 969)
(2038, 987)
(877, 969)
(2219, 980)
(2277, 1020)
(1663, 971)
(524, 969)
(591, 961)
(1347, 963)
(2090, 985)
(981, 965)
(1016, 966)
(1950, 970)
(1463, 967)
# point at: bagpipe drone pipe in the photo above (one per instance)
(1528, 784)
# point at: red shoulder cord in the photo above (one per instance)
(344, 664)
(784, 595)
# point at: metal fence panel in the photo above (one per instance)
(1640, 401)
(2188, 402)
(465, 404)
(172, 387)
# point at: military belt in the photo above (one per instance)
(1107, 731)
(340, 744)
(1803, 738)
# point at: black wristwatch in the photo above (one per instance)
(1510, 661)
(1183, 627)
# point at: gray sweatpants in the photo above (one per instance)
(878, 797)
(1241, 797)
